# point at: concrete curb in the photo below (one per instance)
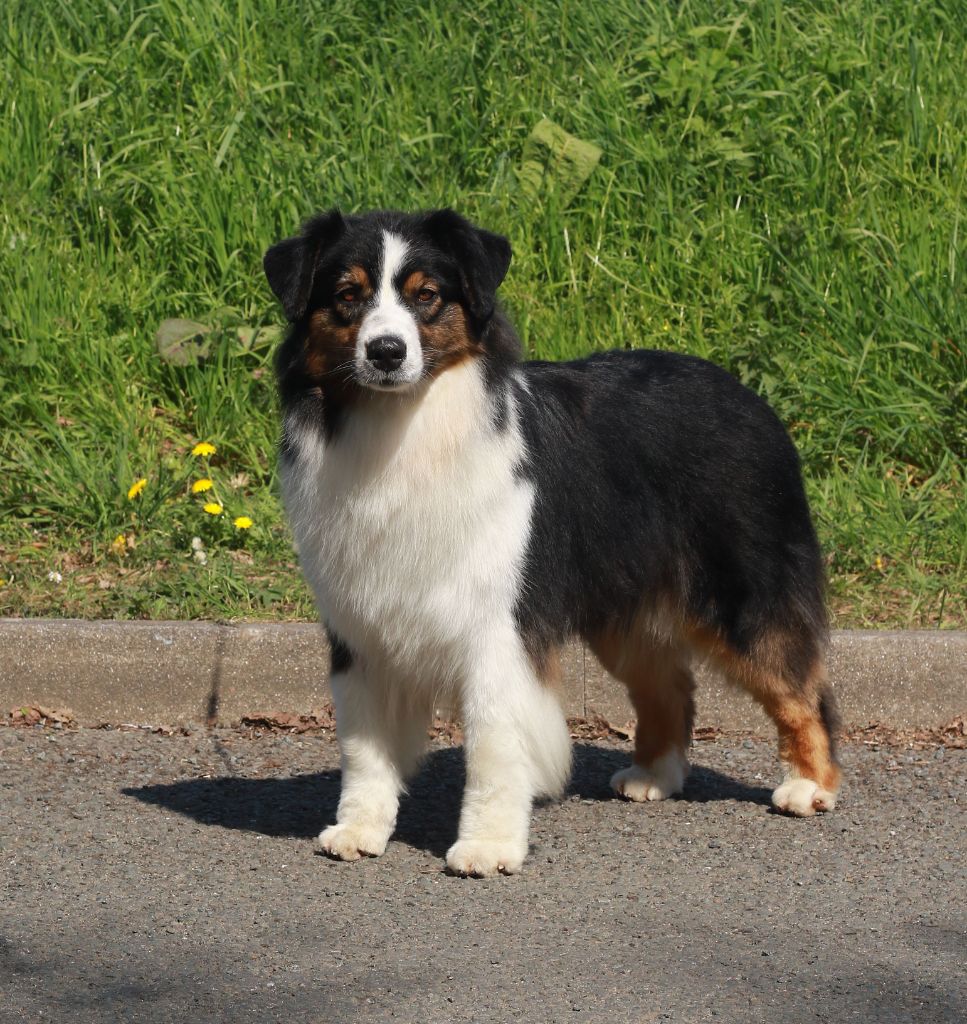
(176, 672)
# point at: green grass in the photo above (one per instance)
(782, 190)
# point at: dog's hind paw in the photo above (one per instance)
(663, 778)
(351, 842)
(802, 798)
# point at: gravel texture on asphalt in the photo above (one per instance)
(172, 878)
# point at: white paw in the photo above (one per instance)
(663, 778)
(482, 858)
(350, 841)
(803, 798)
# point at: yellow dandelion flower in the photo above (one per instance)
(119, 544)
(878, 564)
(136, 488)
(242, 522)
(204, 448)
(201, 485)
(213, 508)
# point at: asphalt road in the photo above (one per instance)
(155, 878)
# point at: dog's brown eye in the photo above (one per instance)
(347, 295)
(426, 295)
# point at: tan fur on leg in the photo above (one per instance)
(660, 686)
(797, 708)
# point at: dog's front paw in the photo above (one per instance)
(802, 798)
(483, 858)
(663, 778)
(351, 841)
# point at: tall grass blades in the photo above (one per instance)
(781, 190)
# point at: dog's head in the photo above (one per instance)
(386, 300)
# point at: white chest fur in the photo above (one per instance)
(411, 526)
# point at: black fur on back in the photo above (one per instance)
(659, 476)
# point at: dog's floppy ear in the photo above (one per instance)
(291, 265)
(481, 256)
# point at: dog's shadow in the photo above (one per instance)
(302, 805)
(594, 766)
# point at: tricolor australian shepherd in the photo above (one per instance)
(461, 515)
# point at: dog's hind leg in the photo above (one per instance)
(785, 671)
(660, 686)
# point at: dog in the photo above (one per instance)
(460, 514)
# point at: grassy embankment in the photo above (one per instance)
(781, 190)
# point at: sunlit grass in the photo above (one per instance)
(782, 190)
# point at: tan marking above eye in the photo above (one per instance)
(420, 287)
(353, 285)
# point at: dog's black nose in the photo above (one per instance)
(386, 352)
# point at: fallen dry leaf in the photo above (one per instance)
(445, 729)
(38, 714)
(597, 727)
(953, 734)
(290, 721)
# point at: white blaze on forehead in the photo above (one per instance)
(394, 252)
(389, 316)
